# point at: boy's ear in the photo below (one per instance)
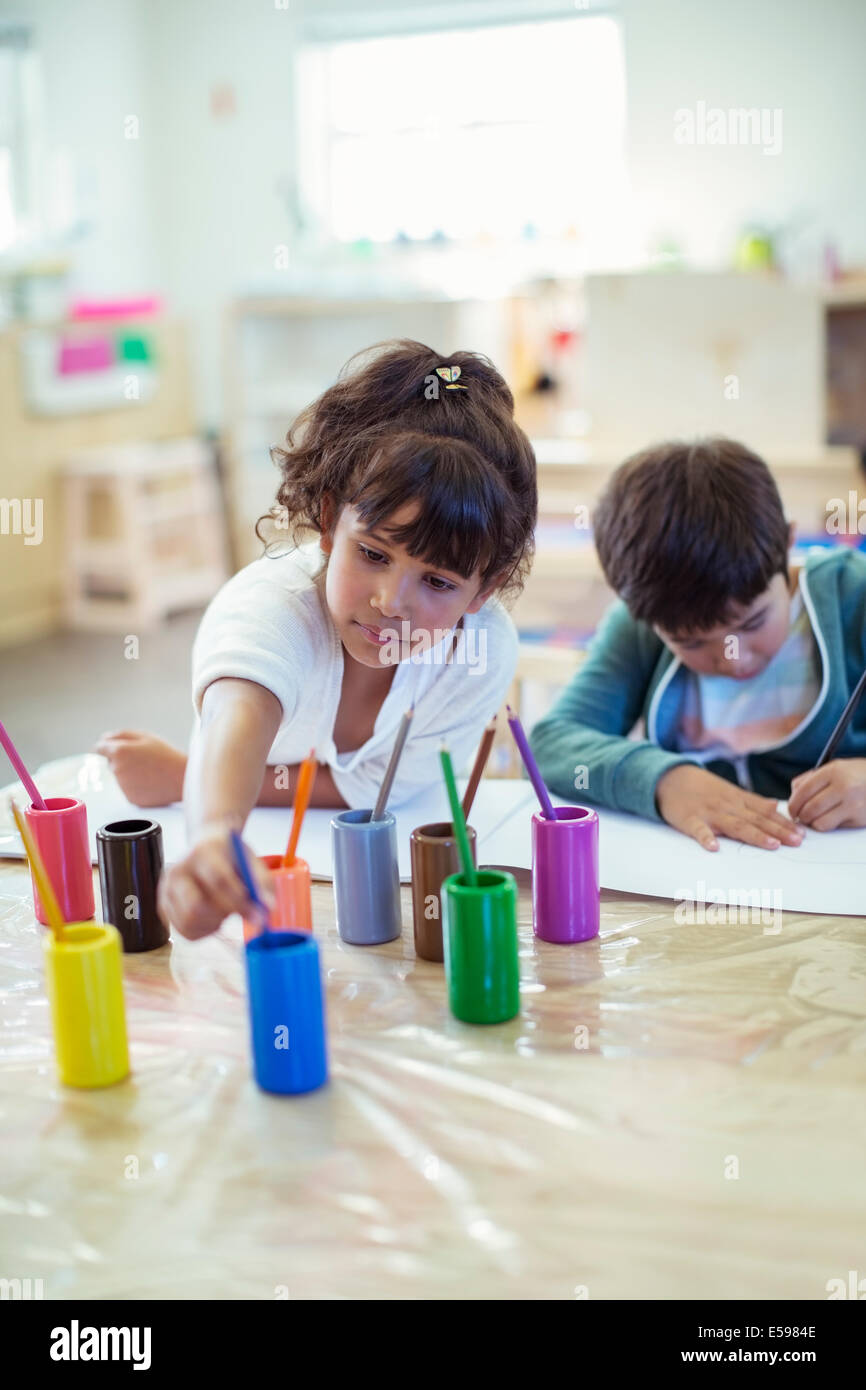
(792, 533)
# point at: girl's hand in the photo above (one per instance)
(199, 892)
(831, 797)
(148, 770)
(703, 805)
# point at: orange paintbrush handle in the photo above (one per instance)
(306, 779)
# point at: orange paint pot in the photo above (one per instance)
(291, 885)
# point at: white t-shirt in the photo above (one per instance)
(270, 624)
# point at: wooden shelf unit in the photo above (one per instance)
(34, 447)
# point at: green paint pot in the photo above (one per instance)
(479, 935)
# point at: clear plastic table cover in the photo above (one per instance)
(676, 1112)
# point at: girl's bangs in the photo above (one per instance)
(459, 510)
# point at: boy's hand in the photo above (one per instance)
(199, 892)
(831, 796)
(702, 805)
(148, 770)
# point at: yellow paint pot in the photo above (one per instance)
(85, 987)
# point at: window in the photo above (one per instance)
(17, 104)
(466, 133)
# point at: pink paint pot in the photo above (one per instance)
(60, 832)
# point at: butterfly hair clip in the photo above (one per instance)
(450, 375)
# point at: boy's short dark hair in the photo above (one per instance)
(390, 431)
(686, 531)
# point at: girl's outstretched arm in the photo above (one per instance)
(226, 766)
(239, 720)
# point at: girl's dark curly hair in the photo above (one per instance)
(389, 432)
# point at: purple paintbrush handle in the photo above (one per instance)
(531, 766)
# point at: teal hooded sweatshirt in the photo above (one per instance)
(630, 675)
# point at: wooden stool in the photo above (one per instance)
(145, 533)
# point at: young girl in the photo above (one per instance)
(420, 491)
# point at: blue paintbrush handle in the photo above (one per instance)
(243, 869)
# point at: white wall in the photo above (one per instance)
(194, 208)
(222, 210)
(802, 57)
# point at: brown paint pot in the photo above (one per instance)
(434, 858)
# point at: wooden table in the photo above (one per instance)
(677, 1112)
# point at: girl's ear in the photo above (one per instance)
(481, 598)
(328, 519)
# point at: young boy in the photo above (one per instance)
(738, 668)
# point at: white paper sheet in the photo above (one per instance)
(267, 830)
(826, 873)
